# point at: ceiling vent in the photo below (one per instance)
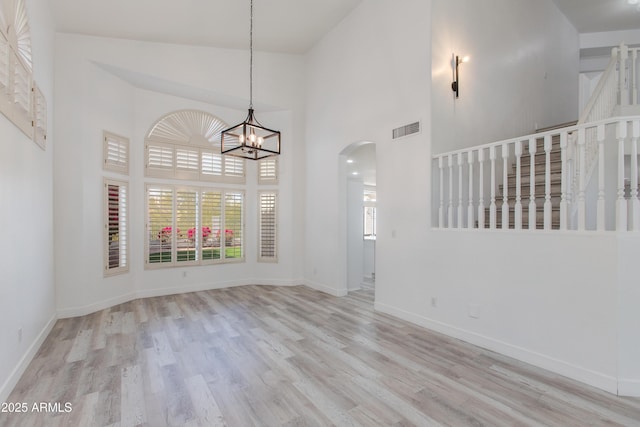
(406, 130)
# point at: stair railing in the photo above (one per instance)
(615, 94)
(468, 193)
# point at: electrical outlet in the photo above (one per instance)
(19, 334)
(434, 302)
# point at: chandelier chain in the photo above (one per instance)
(251, 57)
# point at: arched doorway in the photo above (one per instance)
(359, 205)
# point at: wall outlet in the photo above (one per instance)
(434, 302)
(19, 334)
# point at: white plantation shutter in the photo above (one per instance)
(115, 153)
(187, 163)
(159, 160)
(234, 169)
(233, 225)
(39, 116)
(21, 88)
(268, 171)
(160, 225)
(4, 76)
(187, 226)
(211, 168)
(212, 224)
(267, 244)
(116, 235)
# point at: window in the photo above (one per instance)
(267, 247)
(115, 153)
(185, 145)
(116, 235)
(268, 171)
(369, 211)
(20, 99)
(193, 226)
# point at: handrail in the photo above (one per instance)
(468, 180)
(608, 74)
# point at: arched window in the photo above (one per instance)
(186, 145)
(20, 99)
(190, 224)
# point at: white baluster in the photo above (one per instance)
(441, 207)
(492, 205)
(635, 203)
(600, 213)
(582, 205)
(518, 207)
(450, 207)
(621, 203)
(460, 219)
(634, 58)
(481, 189)
(547, 183)
(532, 183)
(505, 189)
(470, 209)
(622, 61)
(564, 184)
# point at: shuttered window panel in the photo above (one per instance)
(39, 116)
(187, 223)
(233, 226)
(268, 224)
(115, 153)
(160, 160)
(160, 225)
(193, 226)
(211, 225)
(116, 227)
(234, 169)
(211, 165)
(268, 171)
(21, 96)
(4, 71)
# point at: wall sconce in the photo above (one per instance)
(455, 86)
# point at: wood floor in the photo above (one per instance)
(269, 356)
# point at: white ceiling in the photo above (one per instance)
(593, 16)
(288, 26)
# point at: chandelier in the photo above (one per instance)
(249, 139)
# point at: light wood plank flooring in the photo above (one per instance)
(270, 356)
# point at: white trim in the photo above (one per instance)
(21, 367)
(629, 388)
(65, 313)
(600, 380)
(326, 289)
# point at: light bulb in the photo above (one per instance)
(241, 138)
(260, 141)
(252, 137)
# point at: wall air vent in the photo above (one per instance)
(406, 130)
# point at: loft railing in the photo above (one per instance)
(615, 94)
(489, 186)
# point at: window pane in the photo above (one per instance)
(211, 224)
(211, 164)
(268, 171)
(187, 225)
(232, 237)
(267, 246)
(116, 227)
(369, 222)
(160, 224)
(233, 166)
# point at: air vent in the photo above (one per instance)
(406, 130)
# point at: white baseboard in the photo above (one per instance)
(149, 293)
(596, 379)
(629, 388)
(17, 372)
(326, 289)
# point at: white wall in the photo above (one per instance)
(98, 81)
(27, 293)
(547, 299)
(522, 74)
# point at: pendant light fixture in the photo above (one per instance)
(249, 139)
